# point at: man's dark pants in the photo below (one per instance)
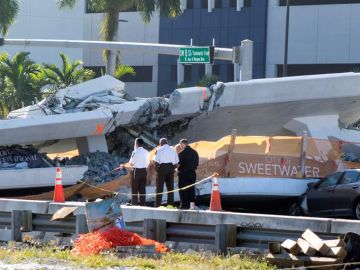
(187, 195)
(165, 174)
(138, 186)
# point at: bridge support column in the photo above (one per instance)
(246, 60)
(91, 144)
(180, 72)
(208, 69)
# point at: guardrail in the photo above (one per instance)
(214, 230)
(19, 221)
(218, 237)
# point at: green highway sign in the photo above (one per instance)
(195, 55)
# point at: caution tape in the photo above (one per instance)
(148, 194)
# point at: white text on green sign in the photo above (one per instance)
(194, 55)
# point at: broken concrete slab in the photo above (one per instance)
(88, 88)
(55, 127)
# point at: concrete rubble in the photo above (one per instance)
(101, 166)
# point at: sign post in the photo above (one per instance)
(196, 55)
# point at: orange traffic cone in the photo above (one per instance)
(215, 201)
(59, 191)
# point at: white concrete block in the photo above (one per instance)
(39, 177)
(54, 127)
(188, 100)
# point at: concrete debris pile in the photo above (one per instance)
(311, 251)
(101, 166)
(104, 93)
(23, 157)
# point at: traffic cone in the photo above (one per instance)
(215, 201)
(59, 191)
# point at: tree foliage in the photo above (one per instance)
(20, 81)
(69, 74)
(122, 70)
(8, 12)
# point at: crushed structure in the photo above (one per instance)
(102, 117)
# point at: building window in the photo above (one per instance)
(218, 3)
(204, 3)
(143, 74)
(216, 70)
(247, 3)
(99, 70)
(174, 73)
(312, 69)
(201, 71)
(189, 4)
(230, 73)
(317, 2)
(187, 73)
(132, 8)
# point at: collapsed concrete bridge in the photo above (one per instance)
(89, 112)
(99, 115)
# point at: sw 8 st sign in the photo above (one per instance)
(194, 55)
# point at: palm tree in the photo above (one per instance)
(122, 70)
(112, 8)
(8, 12)
(71, 73)
(20, 81)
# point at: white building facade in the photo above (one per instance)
(41, 19)
(324, 37)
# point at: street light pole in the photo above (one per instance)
(286, 38)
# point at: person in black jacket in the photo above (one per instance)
(188, 163)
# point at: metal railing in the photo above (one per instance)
(178, 226)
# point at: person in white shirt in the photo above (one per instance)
(166, 160)
(139, 161)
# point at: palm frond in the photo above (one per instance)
(146, 8)
(95, 5)
(63, 4)
(122, 70)
(169, 8)
(8, 12)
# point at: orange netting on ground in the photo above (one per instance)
(93, 243)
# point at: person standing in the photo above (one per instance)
(139, 161)
(166, 159)
(188, 163)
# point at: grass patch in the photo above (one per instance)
(12, 254)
